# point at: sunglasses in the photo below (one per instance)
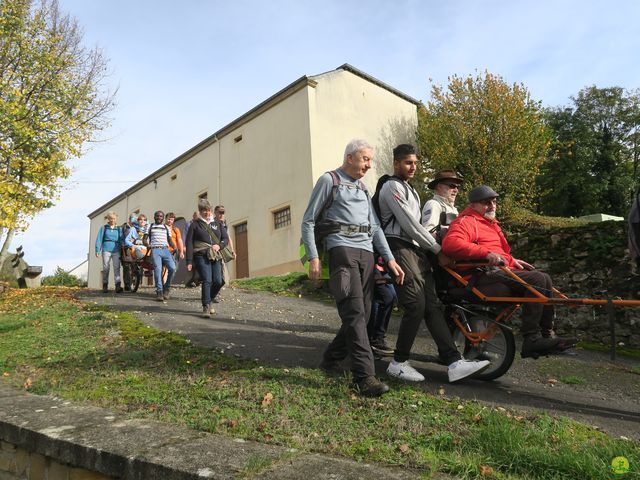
(491, 201)
(452, 185)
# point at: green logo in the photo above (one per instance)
(620, 465)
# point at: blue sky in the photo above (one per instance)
(185, 69)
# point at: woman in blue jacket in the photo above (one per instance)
(108, 244)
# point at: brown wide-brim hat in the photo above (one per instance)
(445, 176)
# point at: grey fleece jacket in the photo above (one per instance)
(400, 214)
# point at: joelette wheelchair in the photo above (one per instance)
(480, 323)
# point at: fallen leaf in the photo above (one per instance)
(477, 418)
(486, 470)
(441, 391)
(28, 384)
(404, 448)
(267, 399)
(552, 381)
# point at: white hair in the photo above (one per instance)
(355, 146)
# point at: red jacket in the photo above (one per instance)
(472, 237)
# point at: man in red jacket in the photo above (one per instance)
(476, 235)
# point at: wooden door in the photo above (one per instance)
(241, 245)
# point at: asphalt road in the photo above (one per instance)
(289, 332)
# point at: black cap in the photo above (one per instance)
(483, 192)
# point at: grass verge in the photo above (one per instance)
(51, 343)
(291, 284)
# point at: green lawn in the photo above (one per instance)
(51, 343)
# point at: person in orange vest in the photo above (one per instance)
(176, 235)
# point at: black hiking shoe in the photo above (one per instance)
(535, 346)
(165, 294)
(380, 347)
(105, 288)
(331, 368)
(159, 297)
(371, 387)
(119, 288)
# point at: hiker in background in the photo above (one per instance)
(108, 244)
(340, 202)
(160, 241)
(205, 238)
(441, 210)
(126, 254)
(176, 235)
(219, 214)
(134, 240)
(194, 280)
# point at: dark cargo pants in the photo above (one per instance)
(536, 317)
(351, 283)
(418, 298)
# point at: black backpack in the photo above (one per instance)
(375, 200)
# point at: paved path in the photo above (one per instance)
(286, 331)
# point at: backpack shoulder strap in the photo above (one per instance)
(335, 179)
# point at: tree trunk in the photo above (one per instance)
(4, 251)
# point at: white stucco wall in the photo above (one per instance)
(345, 106)
(266, 171)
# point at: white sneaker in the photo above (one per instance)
(404, 371)
(465, 368)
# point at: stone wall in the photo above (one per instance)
(592, 261)
(19, 464)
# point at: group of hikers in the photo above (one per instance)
(362, 235)
(380, 249)
(205, 244)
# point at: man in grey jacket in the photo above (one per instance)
(341, 206)
(410, 242)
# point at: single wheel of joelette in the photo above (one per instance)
(496, 342)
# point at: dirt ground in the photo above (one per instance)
(286, 331)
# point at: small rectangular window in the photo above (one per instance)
(282, 218)
(174, 176)
(241, 228)
(238, 139)
(203, 196)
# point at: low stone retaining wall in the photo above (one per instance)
(45, 438)
(587, 261)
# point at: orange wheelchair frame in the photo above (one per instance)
(481, 336)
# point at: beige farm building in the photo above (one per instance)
(263, 165)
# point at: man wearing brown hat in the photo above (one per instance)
(476, 235)
(441, 209)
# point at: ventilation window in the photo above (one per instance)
(203, 196)
(282, 218)
(174, 176)
(238, 139)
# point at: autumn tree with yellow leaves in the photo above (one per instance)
(491, 132)
(52, 101)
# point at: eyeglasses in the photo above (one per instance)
(452, 185)
(490, 201)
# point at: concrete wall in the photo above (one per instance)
(19, 464)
